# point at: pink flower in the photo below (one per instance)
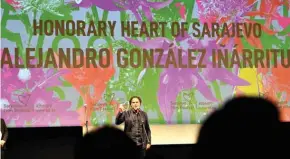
(132, 5)
(13, 3)
(40, 108)
(24, 98)
(234, 9)
(182, 10)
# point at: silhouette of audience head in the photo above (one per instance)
(106, 142)
(249, 120)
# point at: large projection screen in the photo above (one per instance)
(63, 62)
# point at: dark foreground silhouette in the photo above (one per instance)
(243, 120)
(106, 143)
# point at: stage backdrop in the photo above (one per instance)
(183, 57)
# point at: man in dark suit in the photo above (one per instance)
(4, 137)
(136, 124)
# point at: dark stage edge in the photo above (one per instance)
(60, 142)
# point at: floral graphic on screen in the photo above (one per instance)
(49, 96)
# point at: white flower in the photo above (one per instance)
(78, 1)
(4, 103)
(24, 74)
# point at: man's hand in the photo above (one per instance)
(2, 143)
(121, 107)
(148, 146)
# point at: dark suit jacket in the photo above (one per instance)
(4, 132)
(127, 117)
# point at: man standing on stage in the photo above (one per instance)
(4, 137)
(136, 124)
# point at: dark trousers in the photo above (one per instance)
(142, 152)
(2, 154)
